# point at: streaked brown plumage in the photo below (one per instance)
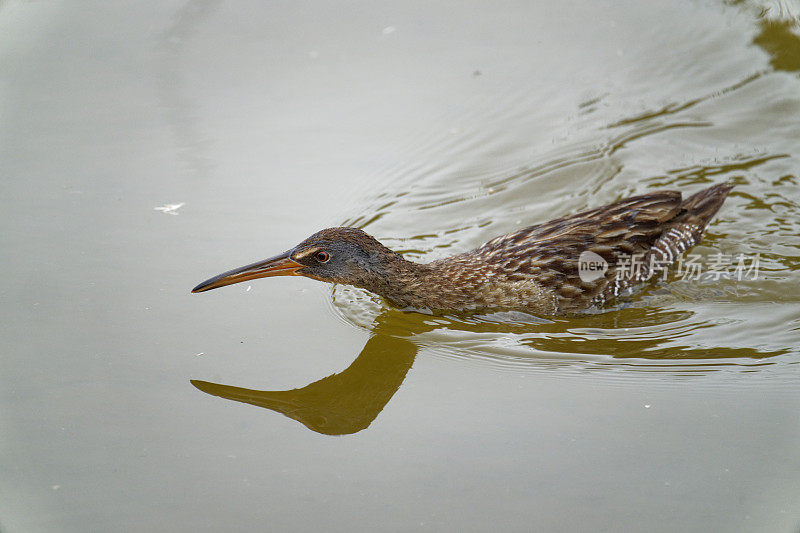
(534, 269)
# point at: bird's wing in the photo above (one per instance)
(549, 253)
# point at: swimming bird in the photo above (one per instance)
(536, 269)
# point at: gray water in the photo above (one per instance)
(127, 403)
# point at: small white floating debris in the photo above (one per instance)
(389, 29)
(248, 288)
(55, 487)
(201, 354)
(647, 406)
(170, 209)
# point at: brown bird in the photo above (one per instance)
(563, 266)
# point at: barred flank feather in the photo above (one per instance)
(683, 232)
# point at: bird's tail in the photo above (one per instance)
(701, 207)
(683, 232)
(688, 227)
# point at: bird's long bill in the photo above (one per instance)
(280, 265)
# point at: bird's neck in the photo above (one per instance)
(438, 285)
(458, 283)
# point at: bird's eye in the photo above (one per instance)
(321, 256)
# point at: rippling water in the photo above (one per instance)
(688, 125)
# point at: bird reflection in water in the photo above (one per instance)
(342, 403)
(348, 402)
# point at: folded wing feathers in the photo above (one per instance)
(658, 225)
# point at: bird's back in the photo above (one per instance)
(542, 262)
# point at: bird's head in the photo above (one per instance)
(336, 255)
